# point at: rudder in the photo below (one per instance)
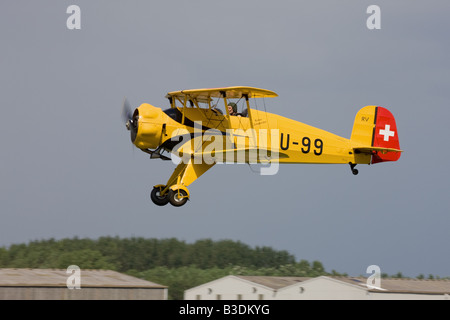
(374, 128)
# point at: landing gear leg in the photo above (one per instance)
(352, 167)
(175, 190)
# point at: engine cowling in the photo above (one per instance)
(146, 127)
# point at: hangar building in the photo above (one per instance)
(52, 284)
(319, 288)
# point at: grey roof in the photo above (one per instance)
(58, 278)
(274, 282)
(403, 285)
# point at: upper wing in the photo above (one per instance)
(229, 92)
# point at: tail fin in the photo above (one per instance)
(375, 133)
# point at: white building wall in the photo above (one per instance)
(229, 288)
(324, 288)
(321, 289)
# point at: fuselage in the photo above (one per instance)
(200, 130)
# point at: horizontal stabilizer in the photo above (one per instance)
(372, 150)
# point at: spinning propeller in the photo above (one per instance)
(130, 118)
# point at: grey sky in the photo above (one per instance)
(68, 167)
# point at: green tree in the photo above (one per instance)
(85, 259)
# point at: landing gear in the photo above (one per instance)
(352, 167)
(178, 197)
(157, 198)
(176, 186)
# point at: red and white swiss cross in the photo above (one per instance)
(385, 135)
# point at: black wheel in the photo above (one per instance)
(355, 171)
(178, 197)
(156, 197)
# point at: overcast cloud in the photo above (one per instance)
(68, 167)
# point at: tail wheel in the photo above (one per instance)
(157, 198)
(178, 197)
(352, 167)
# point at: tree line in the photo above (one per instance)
(139, 254)
(170, 262)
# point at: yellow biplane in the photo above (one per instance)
(203, 127)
